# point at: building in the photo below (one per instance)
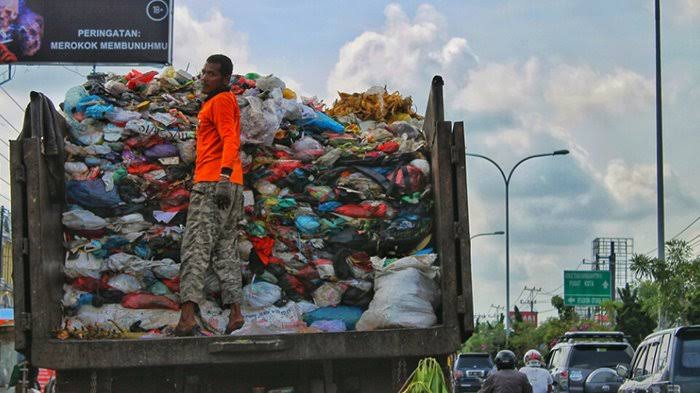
(617, 252)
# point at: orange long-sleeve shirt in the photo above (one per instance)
(219, 139)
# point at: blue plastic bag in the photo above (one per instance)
(98, 111)
(348, 314)
(92, 193)
(307, 224)
(321, 123)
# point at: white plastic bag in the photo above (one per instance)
(128, 263)
(168, 272)
(82, 264)
(125, 283)
(261, 294)
(405, 294)
(124, 317)
(259, 122)
(271, 320)
(79, 219)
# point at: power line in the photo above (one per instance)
(8, 123)
(74, 71)
(5, 181)
(12, 98)
(679, 233)
(686, 228)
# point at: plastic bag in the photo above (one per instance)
(348, 314)
(77, 170)
(269, 83)
(128, 263)
(148, 300)
(261, 294)
(91, 193)
(82, 264)
(108, 315)
(400, 128)
(307, 149)
(79, 219)
(325, 268)
(271, 320)
(322, 123)
(365, 209)
(125, 283)
(307, 223)
(405, 294)
(329, 294)
(141, 126)
(259, 122)
(138, 80)
(187, 150)
(332, 326)
(167, 271)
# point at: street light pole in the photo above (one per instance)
(506, 180)
(487, 234)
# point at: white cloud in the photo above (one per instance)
(196, 39)
(403, 55)
(576, 92)
(499, 87)
(631, 184)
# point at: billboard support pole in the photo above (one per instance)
(9, 75)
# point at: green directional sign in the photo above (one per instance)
(586, 288)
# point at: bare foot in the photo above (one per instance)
(235, 320)
(187, 325)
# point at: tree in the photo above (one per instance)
(566, 313)
(631, 318)
(517, 314)
(673, 291)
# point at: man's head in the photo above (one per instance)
(216, 73)
(505, 360)
(533, 358)
(31, 31)
(9, 10)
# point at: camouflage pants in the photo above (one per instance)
(211, 239)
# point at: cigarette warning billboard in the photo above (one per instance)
(85, 31)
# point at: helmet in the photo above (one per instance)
(505, 359)
(533, 356)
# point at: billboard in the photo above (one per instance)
(86, 31)
(528, 316)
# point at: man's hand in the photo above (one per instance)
(222, 196)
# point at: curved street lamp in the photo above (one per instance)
(506, 180)
(487, 234)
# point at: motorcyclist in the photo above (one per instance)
(539, 378)
(507, 379)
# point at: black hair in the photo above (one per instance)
(224, 62)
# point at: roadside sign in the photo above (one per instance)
(528, 316)
(586, 288)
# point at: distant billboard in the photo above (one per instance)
(86, 31)
(528, 316)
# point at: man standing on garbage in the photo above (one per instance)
(216, 201)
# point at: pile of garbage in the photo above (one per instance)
(337, 228)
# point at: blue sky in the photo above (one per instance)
(526, 77)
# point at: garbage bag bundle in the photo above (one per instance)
(327, 190)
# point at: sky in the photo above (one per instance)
(526, 78)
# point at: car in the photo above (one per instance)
(667, 361)
(470, 370)
(578, 354)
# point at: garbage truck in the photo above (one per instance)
(352, 361)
